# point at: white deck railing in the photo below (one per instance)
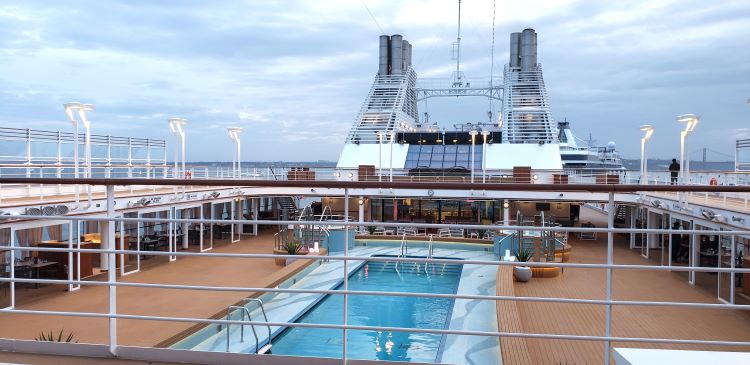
(608, 302)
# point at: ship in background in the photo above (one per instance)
(524, 133)
(585, 156)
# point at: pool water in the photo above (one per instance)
(383, 311)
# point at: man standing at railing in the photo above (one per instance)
(674, 170)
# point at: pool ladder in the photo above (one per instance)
(404, 249)
(430, 252)
(266, 349)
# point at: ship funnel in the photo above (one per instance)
(515, 50)
(385, 48)
(395, 55)
(528, 49)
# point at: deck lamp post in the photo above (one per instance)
(176, 126)
(392, 134)
(81, 109)
(691, 121)
(649, 131)
(484, 155)
(473, 133)
(380, 135)
(234, 135)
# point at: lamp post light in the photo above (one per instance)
(392, 134)
(473, 133)
(234, 135)
(691, 121)
(176, 126)
(484, 155)
(649, 131)
(380, 135)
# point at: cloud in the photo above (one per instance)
(295, 73)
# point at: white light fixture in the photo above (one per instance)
(380, 135)
(473, 133)
(484, 155)
(506, 205)
(392, 134)
(176, 126)
(649, 131)
(691, 121)
(536, 177)
(234, 135)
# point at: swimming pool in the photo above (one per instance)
(388, 311)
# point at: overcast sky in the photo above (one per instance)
(295, 73)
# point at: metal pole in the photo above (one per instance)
(111, 270)
(393, 136)
(380, 157)
(610, 261)
(239, 166)
(472, 157)
(346, 270)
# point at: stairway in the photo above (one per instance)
(622, 215)
(287, 202)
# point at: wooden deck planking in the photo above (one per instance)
(159, 302)
(628, 321)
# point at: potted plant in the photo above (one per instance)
(371, 229)
(59, 337)
(292, 247)
(522, 273)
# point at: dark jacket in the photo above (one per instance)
(674, 167)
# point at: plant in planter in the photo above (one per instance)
(59, 337)
(522, 273)
(293, 247)
(371, 229)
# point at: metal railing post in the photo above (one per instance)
(346, 272)
(610, 261)
(111, 269)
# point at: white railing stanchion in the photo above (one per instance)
(111, 269)
(610, 261)
(346, 273)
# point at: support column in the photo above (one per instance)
(255, 216)
(185, 243)
(506, 213)
(632, 226)
(111, 271)
(361, 203)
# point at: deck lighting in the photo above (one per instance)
(70, 109)
(536, 177)
(484, 155)
(392, 134)
(473, 133)
(234, 135)
(380, 135)
(361, 201)
(176, 125)
(649, 131)
(506, 205)
(691, 121)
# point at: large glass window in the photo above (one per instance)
(443, 156)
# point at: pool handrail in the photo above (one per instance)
(265, 318)
(243, 310)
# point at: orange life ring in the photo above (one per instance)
(713, 181)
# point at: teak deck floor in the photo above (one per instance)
(628, 321)
(148, 301)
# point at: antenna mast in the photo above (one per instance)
(458, 79)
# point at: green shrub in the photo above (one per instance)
(292, 247)
(523, 255)
(60, 337)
